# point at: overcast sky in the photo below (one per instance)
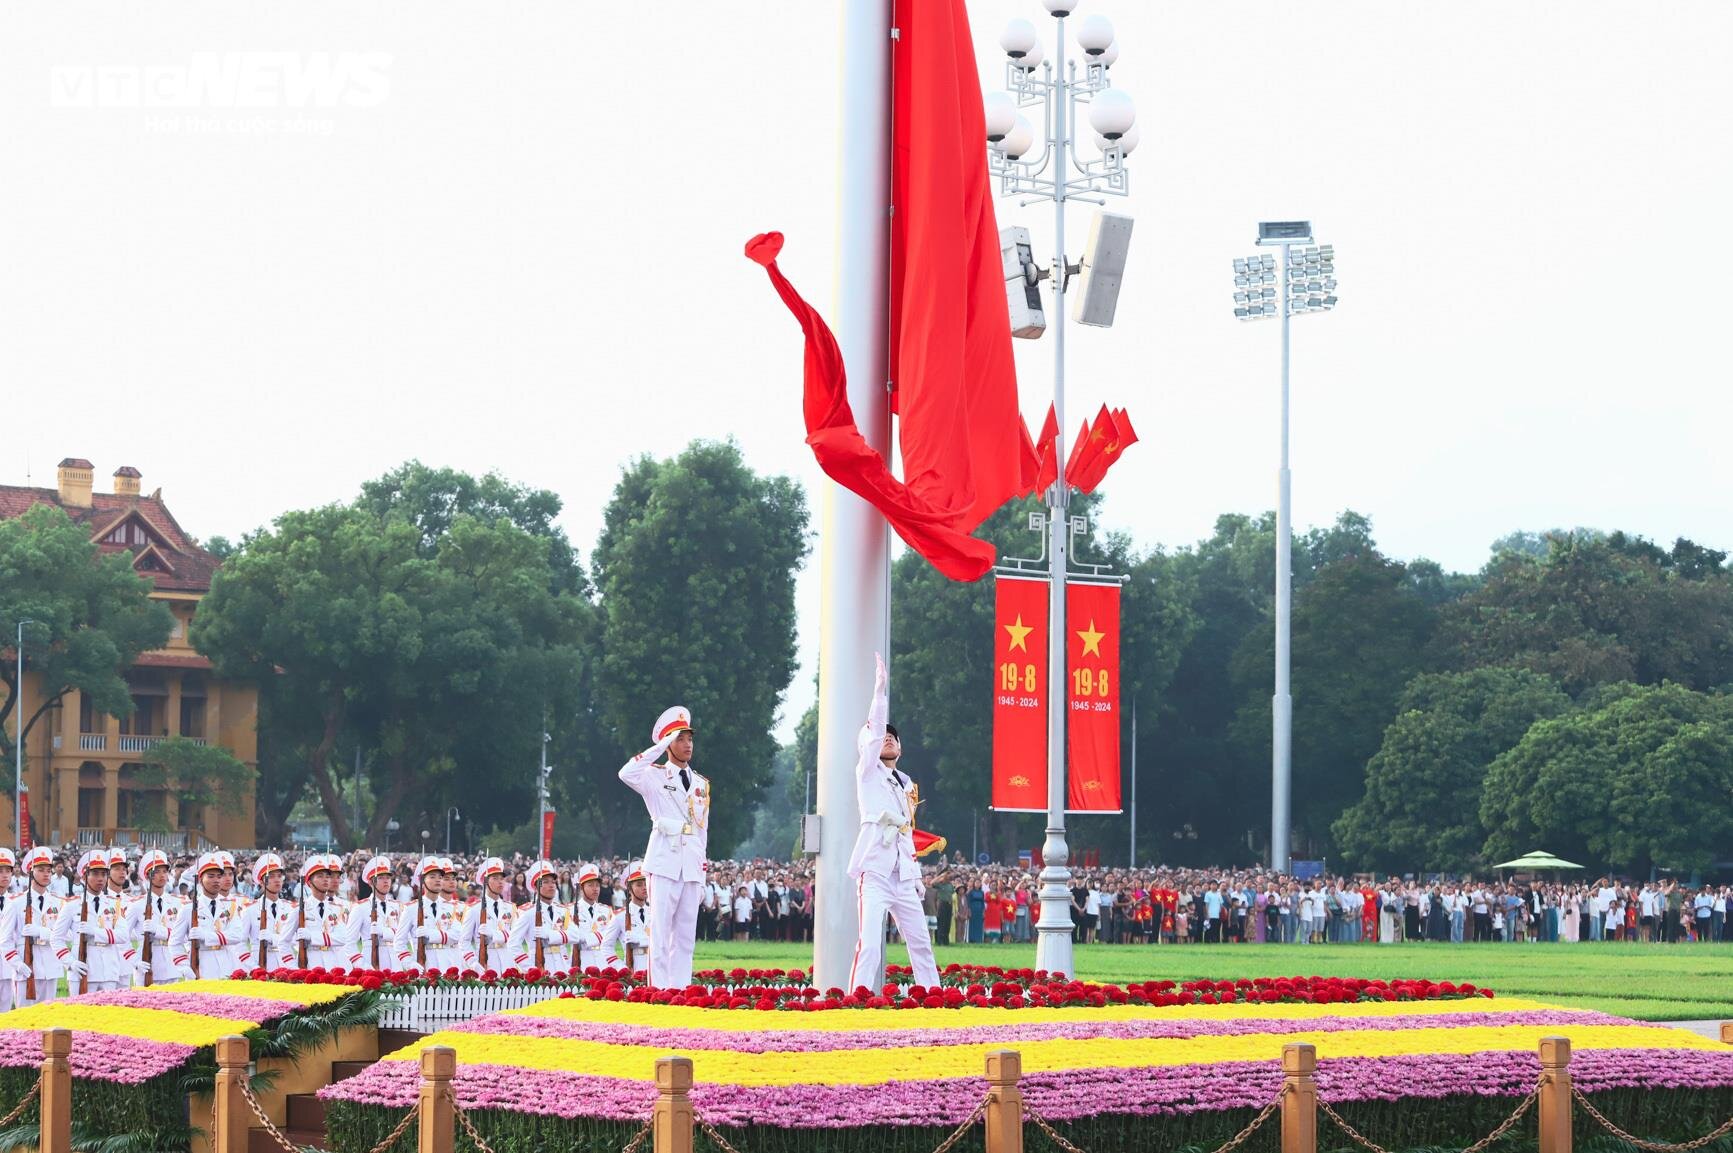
(508, 237)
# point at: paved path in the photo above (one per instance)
(1707, 1028)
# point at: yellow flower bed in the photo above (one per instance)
(272, 991)
(873, 1067)
(681, 1017)
(117, 1021)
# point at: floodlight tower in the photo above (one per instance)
(1308, 284)
(1059, 174)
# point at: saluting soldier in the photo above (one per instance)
(490, 918)
(204, 921)
(629, 931)
(155, 910)
(268, 923)
(544, 933)
(678, 801)
(374, 922)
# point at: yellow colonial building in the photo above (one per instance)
(81, 767)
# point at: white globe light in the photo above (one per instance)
(1125, 143)
(1112, 113)
(1095, 34)
(1061, 7)
(1020, 139)
(1018, 38)
(1001, 113)
(1031, 59)
(1110, 57)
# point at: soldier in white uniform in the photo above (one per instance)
(155, 911)
(94, 923)
(490, 918)
(12, 970)
(376, 918)
(543, 934)
(322, 917)
(36, 956)
(887, 876)
(678, 800)
(592, 920)
(268, 924)
(430, 933)
(629, 932)
(199, 939)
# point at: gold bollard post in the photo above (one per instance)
(436, 1128)
(231, 1118)
(1727, 1032)
(1004, 1102)
(673, 1116)
(55, 1107)
(1554, 1106)
(1299, 1099)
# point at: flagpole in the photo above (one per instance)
(854, 549)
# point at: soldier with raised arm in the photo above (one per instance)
(678, 800)
(887, 875)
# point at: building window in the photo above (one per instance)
(90, 808)
(192, 717)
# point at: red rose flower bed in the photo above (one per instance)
(960, 985)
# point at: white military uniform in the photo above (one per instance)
(489, 921)
(99, 922)
(374, 921)
(268, 924)
(887, 876)
(548, 922)
(593, 933)
(323, 921)
(37, 913)
(206, 922)
(154, 917)
(629, 930)
(678, 801)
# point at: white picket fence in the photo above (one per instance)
(425, 1010)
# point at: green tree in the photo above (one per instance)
(1421, 807)
(199, 775)
(1639, 777)
(1359, 634)
(93, 616)
(695, 567)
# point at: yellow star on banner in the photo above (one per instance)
(1020, 633)
(1091, 639)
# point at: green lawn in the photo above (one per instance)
(1647, 982)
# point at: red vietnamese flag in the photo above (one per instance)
(1046, 454)
(548, 835)
(1092, 664)
(1110, 437)
(1020, 695)
(965, 449)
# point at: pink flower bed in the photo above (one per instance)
(98, 1056)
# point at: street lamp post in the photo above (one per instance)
(1308, 284)
(450, 813)
(1058, 174)
(18, 742)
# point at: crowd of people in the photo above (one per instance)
(764, 900)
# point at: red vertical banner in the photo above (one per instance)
(548, 835)
(1020, 695)
(24, 842)
(1092, 668)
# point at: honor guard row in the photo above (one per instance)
(105, 937)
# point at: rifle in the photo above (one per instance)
(84, 945)
(373, 925)
(539, 957)
(481, 936)
(301, 923)
(29, 953)
(265, 903)
(420, 941)
(193, 935)
(145, 951)
(631, 967)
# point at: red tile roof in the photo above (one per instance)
(192, 564)
(172, 661)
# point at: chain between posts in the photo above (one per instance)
(1725, 1128)
(264, 1121)
(639, 1137)
(35, 1092)
(402, 1127)
(959, 1131)
(719, 1139)
(468, 1127)
(1479, 1146)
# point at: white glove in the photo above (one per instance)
(20, 971)
(91, 929)
(495, 935)
(551, 934)
(266, 938)
(881, 676)
(75, 968)
(154, 929)
(185, 973)
(383, 931)
(34, 929)
(670, 826)
(138, 974)
(427, 932)
(207, 936)
(309, 933)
